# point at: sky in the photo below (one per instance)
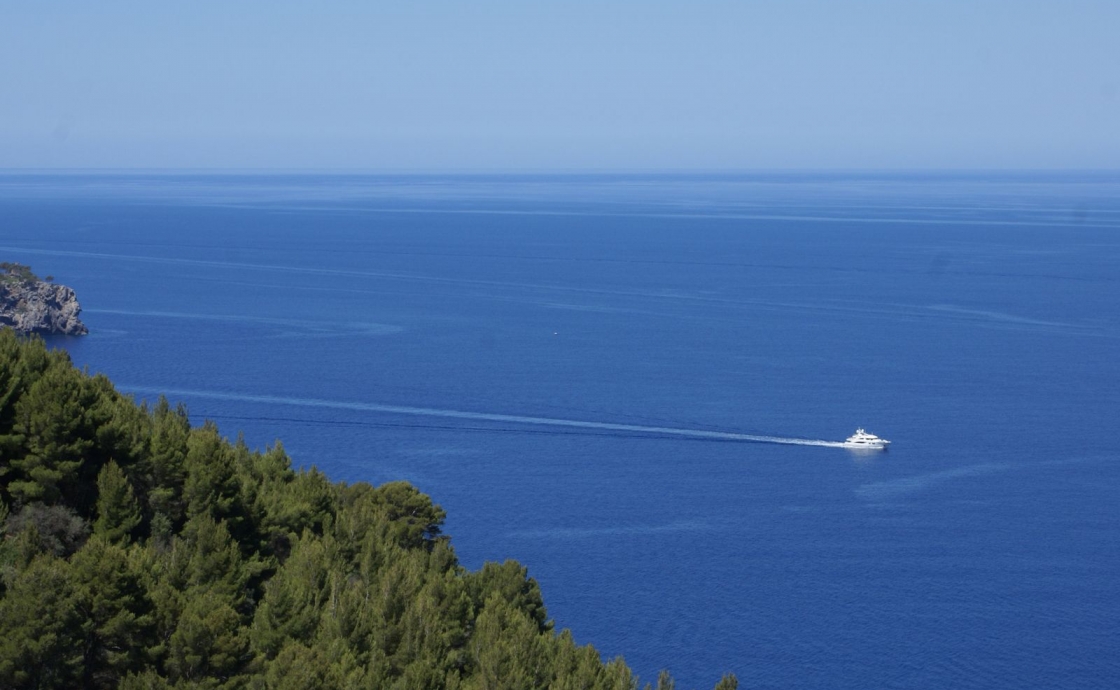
(538, 85)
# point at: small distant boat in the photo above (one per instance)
(862, 439)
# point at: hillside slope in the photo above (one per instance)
(140, 551)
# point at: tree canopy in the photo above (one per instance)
(139, 551)
(12, 272)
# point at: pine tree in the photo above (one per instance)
(285, 503)
(508, 651)
(9, 392)
(298, 667)
(415, 520)
(122, 429)
(295, 597)
(665, 681)
(41, 628)
(50, 419)
(209, 642)
(512, 581)
(119, 624)
(575, 667)
(214, 562)
(211, 485)
(166, 473)
(436, 624)
(618, 676)
(118, 513)
(22, 362)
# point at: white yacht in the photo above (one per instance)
(862, 439)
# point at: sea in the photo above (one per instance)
(588, 372)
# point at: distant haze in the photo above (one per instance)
(574, 85)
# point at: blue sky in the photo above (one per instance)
(538, 85)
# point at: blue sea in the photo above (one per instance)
(513, 345)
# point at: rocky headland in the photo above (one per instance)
(29, 304)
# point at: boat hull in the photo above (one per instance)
(862, 439)
(868, 446)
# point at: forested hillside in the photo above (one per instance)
(141, 552)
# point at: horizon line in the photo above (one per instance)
(528, 172)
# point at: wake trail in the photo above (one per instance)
(483, 416)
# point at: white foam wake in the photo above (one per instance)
(481, 416)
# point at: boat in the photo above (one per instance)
(862, 439)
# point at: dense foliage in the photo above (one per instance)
(141, 552)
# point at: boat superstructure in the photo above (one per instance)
(863, 439)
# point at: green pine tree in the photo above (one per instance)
(728, 682)
(118, 513)
(512, 581)
(119, 617)
(212, 485)
(166, 471)
(22, 362)
(618, 676)
(507, 649)
(299, 667)
(575, 667)
(665, 681)
(50, 419)
(209, 641)
(214, 562)
(41, 628)
(295, 597)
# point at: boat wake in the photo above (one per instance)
(484, 416)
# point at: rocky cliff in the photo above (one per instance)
(30, 305)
